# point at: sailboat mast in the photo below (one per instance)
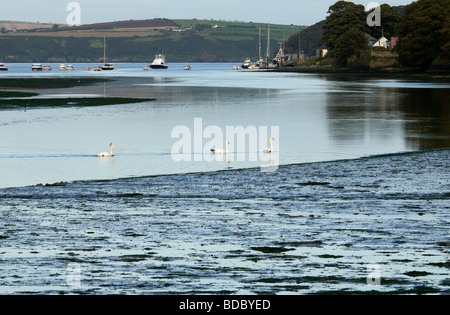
(299, 44)
(259, 51)
(104, 50)
(268, 44)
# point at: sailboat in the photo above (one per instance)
(106, 66)
(260, 62)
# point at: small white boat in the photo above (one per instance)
(3, 67)
(62, 67)
(159, 62)
(187, 67)
(70, 68)
(47, 68)
(146, 67)
(108, 66)
(247, 63)
(37, 67)
(258, 65)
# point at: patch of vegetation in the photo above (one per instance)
(271, 250)
(6, 94)
(67, 102)
(48, 83)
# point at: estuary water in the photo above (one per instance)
(313, 118)
(353, 200)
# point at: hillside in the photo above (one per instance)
(310, 39)
(138, 41)
(17, 26)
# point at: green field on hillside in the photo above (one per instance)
(189, 41)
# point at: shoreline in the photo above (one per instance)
(203, 173)
(392, 73)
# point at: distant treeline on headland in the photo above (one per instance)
(421, 29)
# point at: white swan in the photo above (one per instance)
(107, 154)
(271, 146)
(221, 151)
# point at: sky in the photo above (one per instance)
(297, 12)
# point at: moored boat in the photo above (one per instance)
(257, 65)
(97, 68)
(62, 67)
(47, 68)
(36, 67)
(108, 66)
(247, 63)
(3, 67)
(187, 67)
(159, 62)
(70, 68)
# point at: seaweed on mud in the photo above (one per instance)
(271, 250)
(313, 183)
(315, 243)
(416, 273)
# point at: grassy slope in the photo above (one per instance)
(233, 41)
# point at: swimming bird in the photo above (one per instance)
(271, 146)
(107, 154)
(221, 151)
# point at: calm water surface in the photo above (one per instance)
(319, 118)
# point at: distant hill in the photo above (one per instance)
(14, 26)
(138, 41)
(310, 39)
(123, 24)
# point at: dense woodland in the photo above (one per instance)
(423, 29)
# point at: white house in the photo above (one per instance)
(382, 42)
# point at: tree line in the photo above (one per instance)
(423, 29)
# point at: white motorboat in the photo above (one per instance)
(247, 63)
(37, 67)
(108, 66)
(159, 62)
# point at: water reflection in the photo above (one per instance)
(426, 117)
(420, 116)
